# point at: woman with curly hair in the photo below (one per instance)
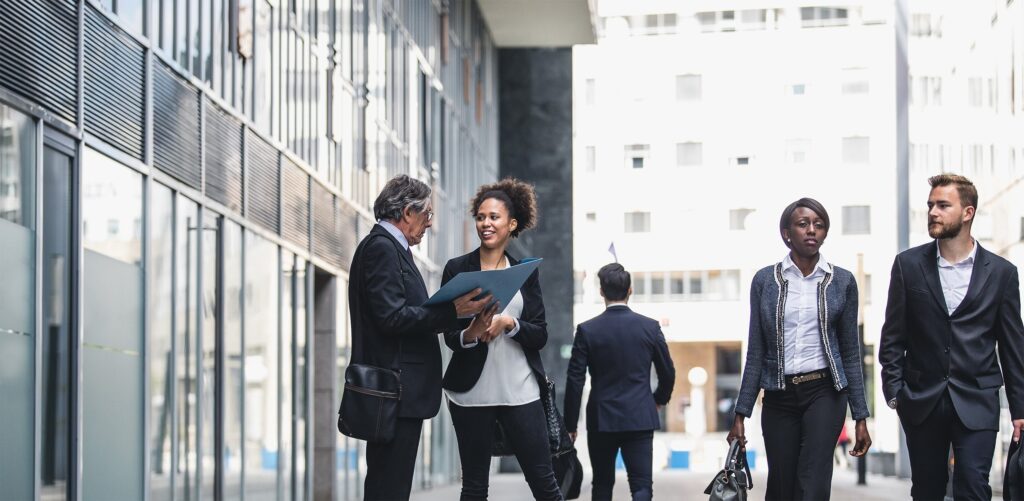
(496, 374)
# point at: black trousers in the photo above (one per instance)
(526, 431)
(389, 467)
(801, 425)
(928, 444)
(637, 450)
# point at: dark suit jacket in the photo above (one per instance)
(467, 363)
(924, 350)
(385, 294)
(618, 346)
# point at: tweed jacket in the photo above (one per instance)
(837, 321)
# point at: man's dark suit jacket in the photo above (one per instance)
(618, 346)
(467, 363)
(385, 294)
(924, 350)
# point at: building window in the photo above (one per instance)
(639, 284)
(689, 154)
(591, 217)
(926, 25)
(591, 159)
(636, 155)
(688, 88)
(816, 17)
(856, 150)
(591, 91)
(753, 19)
(925, 91)
(707, 20)
(797, 150)
(738, 218)
(974, 91)
(638, 222)
(798, 89)
(856, 220)
(740, 160)
(855, 82)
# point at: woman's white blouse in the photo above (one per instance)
(506, 378)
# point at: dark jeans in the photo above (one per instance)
(801, 425)
(526, 431)
(928, 444)
(389, 467)
(637, 453)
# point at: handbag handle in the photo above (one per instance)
(736, 461)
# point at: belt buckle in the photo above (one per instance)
(798, 379)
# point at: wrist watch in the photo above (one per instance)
(892, 403)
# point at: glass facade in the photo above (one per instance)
(167, 292)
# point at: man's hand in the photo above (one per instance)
(1018, 424)
(863, 439)
(465, 306)
(572, 435)
(477, 330)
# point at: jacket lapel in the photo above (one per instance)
(930, 270)
(979, 275)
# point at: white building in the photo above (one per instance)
(696, 123)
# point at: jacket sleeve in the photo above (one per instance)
(892, 347)
(574, 380)
(1011, 345)
(849, 348)
(750, 384)
(384, 279)
(663, 367)
(453, 337)
(533, 327)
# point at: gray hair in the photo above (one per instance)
(400, 192)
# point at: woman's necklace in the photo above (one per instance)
(496, 263)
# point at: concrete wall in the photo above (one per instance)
(535, 143)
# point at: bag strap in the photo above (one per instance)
(736, 460)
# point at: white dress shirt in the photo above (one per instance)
(506, 378)
(955, 277)
(803, 350)
(395, 232)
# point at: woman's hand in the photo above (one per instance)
(500, 324)
(863, 439)
(478, 327)
(738, 433)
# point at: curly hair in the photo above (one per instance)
(519, 198)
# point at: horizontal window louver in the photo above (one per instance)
(262, 185)
(29, 29)
(223, 143)
(295, 204)
(114, 85)
(327, 227)
(175, 126)
(349, 231)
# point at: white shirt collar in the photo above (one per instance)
(395, 232)
(617, 305)
(822, 264)
(968, 260)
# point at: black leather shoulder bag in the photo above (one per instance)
(733, 482)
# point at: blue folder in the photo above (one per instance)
(502, 284)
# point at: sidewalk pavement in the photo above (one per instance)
(686, 485)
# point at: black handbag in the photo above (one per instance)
(733, 482)
(1013, 476)
(369, 403)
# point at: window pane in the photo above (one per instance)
(261, 368)
(688, 88)
(161, 362)
(857, 220)
(57, 338)
(301, 379)
(689, 154)
(287, 373)
(185, 359)
(637, 222)
(17, 302)
(111, 209)
(209, 379)
(112, 441)
(233, 384)
(130, 12)
(856, 150)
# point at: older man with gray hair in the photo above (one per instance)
(391, 328)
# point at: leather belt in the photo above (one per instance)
(807, 377)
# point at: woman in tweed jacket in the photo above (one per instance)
(804, 351)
